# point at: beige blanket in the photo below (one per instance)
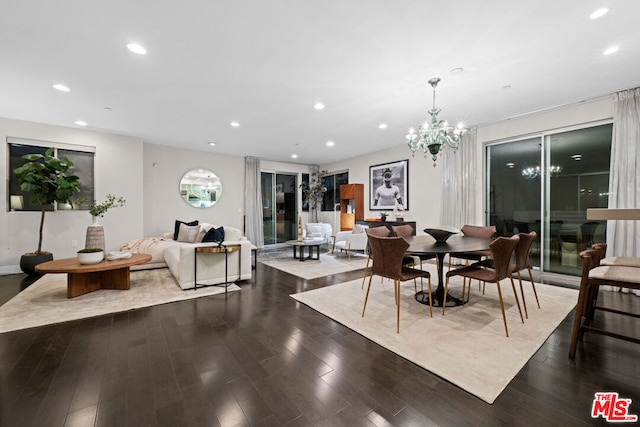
(142, 246)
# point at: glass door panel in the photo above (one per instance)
(514, 196)
(279, 213)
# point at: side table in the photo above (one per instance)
(226, 250)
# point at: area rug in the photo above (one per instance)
(310, 269)
(45, 301)
(467, 346)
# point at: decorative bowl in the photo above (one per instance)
(90, 257)
(441, 234)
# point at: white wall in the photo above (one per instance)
(117, 171)
(162, 201)
(425, 183)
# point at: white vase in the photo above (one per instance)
(95, 221)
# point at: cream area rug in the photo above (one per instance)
(45, 301)
(467, 346)
(310, 269)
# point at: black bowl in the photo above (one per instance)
(441, 235)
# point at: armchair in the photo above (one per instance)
(352, 241)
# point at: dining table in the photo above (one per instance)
(425, 245)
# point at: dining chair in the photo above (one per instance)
(501, 250)
(373, 231)
(406, 230)
(521, 252)
(486, 232)
(388, 253)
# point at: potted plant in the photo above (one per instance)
(383, 216)
(90, 255)
(44, 178)
(313, 193)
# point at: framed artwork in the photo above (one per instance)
(388, 184)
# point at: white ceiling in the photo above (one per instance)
(265, 64)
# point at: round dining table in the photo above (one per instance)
(425, 244)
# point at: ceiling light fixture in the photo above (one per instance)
(599, 13)
(137, 49)
(534, 172)
(610, 50)
(382, 126)
(212, 144)
(330, 144)
(80, 123)
(433, 135)
(294, 156)
(318, 106)
(61, 87)
(234, 124)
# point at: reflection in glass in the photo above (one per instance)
(200, 188)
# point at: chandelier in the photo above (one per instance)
(534, 172)
(433, 135)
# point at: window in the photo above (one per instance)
(83, 166)
(332, 196)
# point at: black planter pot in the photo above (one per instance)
(28, 262)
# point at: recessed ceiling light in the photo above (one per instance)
(510, 165)
(612, 49)
(136, 48)
(599, 13)
(213, 144)
(318, 106)
(80, 123)
(330, 144)
(234, 124)
(294, 156)
(61, 87)
(456, 71)
(382, 126)
(577, 157)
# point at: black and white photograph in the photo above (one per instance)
(389, 185)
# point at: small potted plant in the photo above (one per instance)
(90, 255)
(383, 216)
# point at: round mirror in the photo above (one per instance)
(200, 188)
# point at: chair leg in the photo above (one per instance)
(396, 284)
(533, 285)
(515, 294)
(444, 298)
(524, 302)
(504, 318)
(430, 300)
(366, 298)
(366, 270)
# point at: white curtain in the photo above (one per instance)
(623, 237)
(460, 186)
(253, 201)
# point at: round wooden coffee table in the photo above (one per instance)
(85, 278)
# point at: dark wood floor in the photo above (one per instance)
(257, 357)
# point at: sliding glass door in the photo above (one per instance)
(545, 184)
(279, 213)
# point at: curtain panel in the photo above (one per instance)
(253, 202)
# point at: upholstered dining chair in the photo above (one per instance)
(522, 250)
(486, 232)
(406, 230)
(373, 231)
(501, 250)
(388, 253)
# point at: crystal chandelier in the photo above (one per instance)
(534, 172)
(433, 135)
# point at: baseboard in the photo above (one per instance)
(10, 269)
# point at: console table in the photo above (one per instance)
(388, 224)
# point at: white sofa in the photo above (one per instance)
(179, 257)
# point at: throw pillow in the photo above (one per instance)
(214, 235)
(188, 234)
(177, 227)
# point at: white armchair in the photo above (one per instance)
(352, 241)
(319, 229)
